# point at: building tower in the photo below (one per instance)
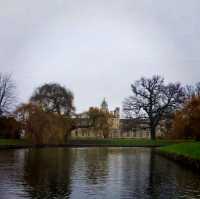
(104, 105)
(117, 112)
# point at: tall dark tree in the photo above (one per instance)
(54, 98)
(7, 93)
(152, 99)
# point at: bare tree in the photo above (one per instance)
(7, 93)
(152, 99)
(191, 91)
(197, 88)
(54, 98)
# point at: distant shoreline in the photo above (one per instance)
(115, 142)
(73, 146)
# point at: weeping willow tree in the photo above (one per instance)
(41, 127)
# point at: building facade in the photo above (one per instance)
(119, 128)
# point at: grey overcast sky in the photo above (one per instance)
(98, 47)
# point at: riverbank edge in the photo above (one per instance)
(18, 144)
(186, 161)
(4, 147)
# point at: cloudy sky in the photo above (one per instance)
(98, 47)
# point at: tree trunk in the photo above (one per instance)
(153, 132)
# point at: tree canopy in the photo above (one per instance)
(191, 91)
(42, 127)
(54, 98)
(152, 99)
(186, 123)
(100, 120)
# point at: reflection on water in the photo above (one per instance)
(93, 173)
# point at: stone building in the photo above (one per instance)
(134, 128)
(139, 128)
(119, 128)
(83, 127)
(115, 119)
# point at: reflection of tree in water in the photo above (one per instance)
(141, 178)
(48, 172)
(96, 165)
(12, 173)
(135, 173)
(108, 173)
(168, 180)
(144, 174)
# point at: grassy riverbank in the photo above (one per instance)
(189, 150)
(13, 143)
(6, 142)
(118, 142)
(124, 142)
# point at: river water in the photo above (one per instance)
(93, 173)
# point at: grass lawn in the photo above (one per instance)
(122, 142)
(12, 142)
(100, 142)
(190, 149)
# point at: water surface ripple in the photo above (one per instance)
(93, 173)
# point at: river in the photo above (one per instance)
(93, 173)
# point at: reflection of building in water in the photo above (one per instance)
(133, 128)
